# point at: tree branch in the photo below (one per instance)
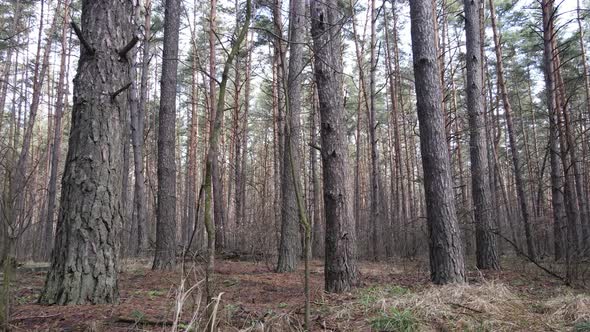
(123, 52)
(118, 92)
(83, 41)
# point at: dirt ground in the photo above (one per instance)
(393, 296)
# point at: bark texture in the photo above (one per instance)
(446, 255)
(486, 253)
(290, 244)
(165, 257)
(341, 272)
(84, 261)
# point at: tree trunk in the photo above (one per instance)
(212, 155)
(84, 261)
(165, 257)
(446, 255)
(56, 148)
(341, 271)
(290, 243)
(559, 215)
(376, 213)
(522, 200)
(317, 244)
(486, 252)
(139, 218)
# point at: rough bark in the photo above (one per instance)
(446, 255)
(341, 272)
(84, 261)
(139, 217)
(290, 243)
(486, 252)
(165, 257)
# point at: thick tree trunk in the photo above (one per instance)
(446, 254)
(486, 252)
(290, 243)
(84, 261)
(165, 257)
(341, 271)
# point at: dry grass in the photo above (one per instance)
(487, 306)
(569, 308)
(456, 307)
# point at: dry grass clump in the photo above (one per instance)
(486, 306)
(569, 308)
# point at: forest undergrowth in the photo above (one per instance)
(393, 296)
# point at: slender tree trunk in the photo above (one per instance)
(516, 161)
(583, 192)
(393, 92)
(139, 218)
(212, 155)
(290, 244)
(559, 214)
(376, 213)
(165, 257)
(56, 147)
(446, 255)
(191, 187)
(486, 252)
(19, 218)
(8, 65)
(318, 243)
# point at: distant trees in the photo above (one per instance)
(84, 261)
(57, 136)
(446, 254)
(245, 161)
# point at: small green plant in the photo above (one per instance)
(396, 290)
(282, 305)
(395, 321)
(583, 326)
(230, 282)
(184, 327)
(155, 293)
(480, 327)
(369, 296)
(137, 315)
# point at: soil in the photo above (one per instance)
(252, 297)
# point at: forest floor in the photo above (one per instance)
(393, 296)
